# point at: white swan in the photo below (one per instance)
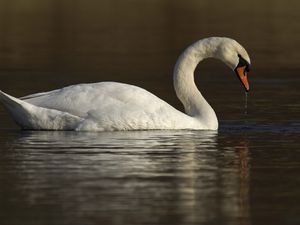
(108, 106)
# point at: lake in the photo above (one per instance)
(247, 172)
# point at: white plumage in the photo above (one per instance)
(107, 106)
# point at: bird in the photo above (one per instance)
(114, 106)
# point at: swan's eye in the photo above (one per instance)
(247, 68)
(243, 62)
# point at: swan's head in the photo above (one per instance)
(235, 56)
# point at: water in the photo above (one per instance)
(158, 177)
(245, 173)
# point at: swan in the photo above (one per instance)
(110, 106)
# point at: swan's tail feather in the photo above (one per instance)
(30, 116)
(14, 107)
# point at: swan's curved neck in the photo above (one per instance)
(194, 103)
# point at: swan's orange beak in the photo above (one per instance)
(242, 75)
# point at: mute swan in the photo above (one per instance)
(108, 106)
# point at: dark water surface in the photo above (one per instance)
(246, 173)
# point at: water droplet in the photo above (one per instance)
(246, 103)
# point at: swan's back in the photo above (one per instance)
(112, 106)
(82, 98)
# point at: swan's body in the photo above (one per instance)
(109, 106)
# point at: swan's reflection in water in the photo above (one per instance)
(159, 177)
(244, 171)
